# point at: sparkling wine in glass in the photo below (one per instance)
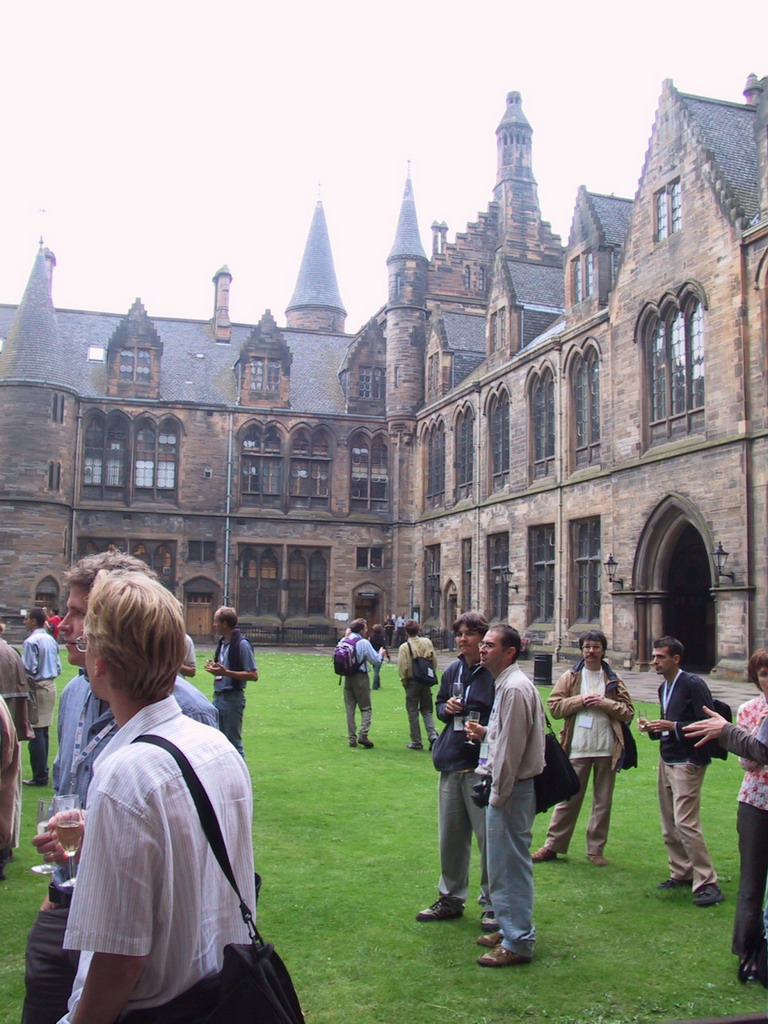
(68, 819)
(473, 716)
(43, 814)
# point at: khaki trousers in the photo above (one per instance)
(680, 809)
(565, 815)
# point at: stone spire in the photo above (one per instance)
(34, 350)
(407, 238)
(513, 141)
(316, 303)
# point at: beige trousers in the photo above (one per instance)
(680, 809)
(565, 815)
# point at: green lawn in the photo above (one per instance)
(346, 841)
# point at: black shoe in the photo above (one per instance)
(414, 746)
(365, 742)
(442, 909)
(707, 895)
(34, 782)
(676, 883)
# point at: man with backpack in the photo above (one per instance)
(353, 653)
(417, 664)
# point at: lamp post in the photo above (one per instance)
(611, 567)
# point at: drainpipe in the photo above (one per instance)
(559, 442)
(228, 519)
(75, 486)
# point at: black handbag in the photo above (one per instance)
(253, 985)
(558, 781)
(421, 669)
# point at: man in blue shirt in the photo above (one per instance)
(86, 725)
(232, 666)
(357, 687)
(40, 655)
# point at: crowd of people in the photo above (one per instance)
(87, 961)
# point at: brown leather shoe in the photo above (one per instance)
(598, 860)
(491, 940)
(543, 854)
(501, 957)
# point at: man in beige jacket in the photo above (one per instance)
(418, 694)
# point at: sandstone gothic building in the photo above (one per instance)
(517, 414)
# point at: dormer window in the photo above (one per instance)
(265, 374)
(371, 383)
(583, 276)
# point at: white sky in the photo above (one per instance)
(166, 138)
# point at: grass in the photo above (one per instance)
(346, 841)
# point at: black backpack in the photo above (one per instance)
(421, 669)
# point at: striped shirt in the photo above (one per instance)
(148, 883)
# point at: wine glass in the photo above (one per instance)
(43, 814)
(473, 716)
(457, 690)
(68, 822)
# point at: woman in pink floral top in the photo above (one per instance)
(752, 824)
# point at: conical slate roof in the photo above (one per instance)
(513, 114)
(34, 349)
(316, 284)
(407, 238)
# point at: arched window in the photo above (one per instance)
(269, 584)
(543, 423)
(261, 456)
(369, 474)
(586, 407)
(259, 592)
(297, 584)
(310, 470)
(464, 465)
(435, 476)
(467, 277)
(499, 424)
(104, 456)
(318, 582)
(155, 460)
(674, 348)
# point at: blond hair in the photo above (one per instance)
(137, 627)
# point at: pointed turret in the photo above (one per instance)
(513, 142)
(407, 238)
(316, 303)
(34, 350)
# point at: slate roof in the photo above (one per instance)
(407, 238)
(614, 215)
(537, 285)
(465, 332)
(316, 284)
(194, 368)
(34, 349)
(729, 134)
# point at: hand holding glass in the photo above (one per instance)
(473, 716)
(68, 822)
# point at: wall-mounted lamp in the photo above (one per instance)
(611, 567)
(720, 556)
(506, 574)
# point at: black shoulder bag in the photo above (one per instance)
(559, 780)
(421, 668)
(253, 985)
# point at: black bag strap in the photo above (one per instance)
(209, 822)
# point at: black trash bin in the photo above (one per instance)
(542, 669)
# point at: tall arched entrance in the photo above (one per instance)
(673, 584)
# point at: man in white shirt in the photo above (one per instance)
(150, 935)
(40, 655)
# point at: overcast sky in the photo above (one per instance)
(164, 139)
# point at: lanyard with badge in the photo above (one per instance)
(666, 697)
(79, 756)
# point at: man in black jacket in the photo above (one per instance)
(683, 697)
(465, 687)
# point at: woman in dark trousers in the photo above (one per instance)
(378, 639)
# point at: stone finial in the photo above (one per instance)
(752, 90)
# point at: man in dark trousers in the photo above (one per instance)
(232, 666)
(683, 697)
(466, 686)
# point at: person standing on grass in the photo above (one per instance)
(10, 805)
(232, 667)
(466, 686)
(683, 698)
(515, 756)
(357, 687)
(40, 655)
(86, 726)
(594, 702)
(379, 643)
(418, 695)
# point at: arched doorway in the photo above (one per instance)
(366, 601)
(690, 611)
(673, 581)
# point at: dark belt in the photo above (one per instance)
(58, 897)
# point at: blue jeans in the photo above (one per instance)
(510, 868)
(230, 704)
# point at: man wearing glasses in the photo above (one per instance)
(594, 702)
(513, 758)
